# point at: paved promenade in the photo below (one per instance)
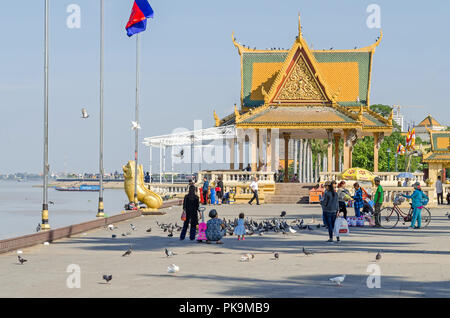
(415, 263)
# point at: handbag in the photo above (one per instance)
(183, 216)
(340, 227)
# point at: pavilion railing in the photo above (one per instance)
(387, 178)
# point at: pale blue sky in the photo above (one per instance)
(190, 67)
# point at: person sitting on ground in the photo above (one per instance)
(215, 228)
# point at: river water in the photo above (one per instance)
(21, 205)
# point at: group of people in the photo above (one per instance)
(213, 193)
(440, 192)
(335, 198)
(215, 227)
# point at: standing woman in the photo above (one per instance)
(358, 197)
(191, 204)
(330, 206)
(219, 190)
(343, 196)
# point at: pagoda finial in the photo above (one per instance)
(216, 119)
(391, 117)
(299, 26)
(236, 113)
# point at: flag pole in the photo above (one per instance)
(45, 225)
(100, 212)
(136, 136)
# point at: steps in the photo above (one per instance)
(290, 193)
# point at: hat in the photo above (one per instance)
(212, 214)
(416, 185)
(377, 179)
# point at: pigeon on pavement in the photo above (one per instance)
(172, 269)
(306, 252)
(378, 257)
(169, 253)
(128, 252)
(107, 278)
(21, 259)
(338, 280)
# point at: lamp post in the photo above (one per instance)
(396, 162)
(389, 160)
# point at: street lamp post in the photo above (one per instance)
(396, 162)
(45, 225)
(389, 160)
(100, 212)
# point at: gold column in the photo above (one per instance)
(254, 144)
(241, 153)
(258, 147)
(286, 156)
(337, 137)
(330, 150)
(232, 152)
(347, 162)
(269, 150)
(376, 145)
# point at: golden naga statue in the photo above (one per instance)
(152, 200)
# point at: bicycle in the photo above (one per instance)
(390, 216)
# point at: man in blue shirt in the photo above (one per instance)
(205, 190)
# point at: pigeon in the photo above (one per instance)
(172, 269)
(283, 214)
(170, 233)
(21, 259)
(113, 236)
(247, 257)
(292, 230)
(338, 280)
(276, 255)
(84, 113)
(133, 227)
(135, 125)
(378, 257)
(180, 155)
(51, 202)
(111, 227)
(38, 227)
(306, 252)
(107, 278)
(128, 252)
(310, 228)
(169, 253)
(149, 230)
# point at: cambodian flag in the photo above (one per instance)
(138, 19)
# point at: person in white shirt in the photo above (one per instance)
(439, 191)
(254, 188)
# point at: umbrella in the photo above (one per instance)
(357, 174)
(405, 175)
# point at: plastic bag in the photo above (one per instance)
(183, 216)
(341, 227)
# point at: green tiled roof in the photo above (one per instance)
(362, 58)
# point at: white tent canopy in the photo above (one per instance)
(195, 138)
(190, 137)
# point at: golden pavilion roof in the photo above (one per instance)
(440, 147)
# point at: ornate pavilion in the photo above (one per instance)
(438, 159)
(304, 94)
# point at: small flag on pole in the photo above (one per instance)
(139, 14)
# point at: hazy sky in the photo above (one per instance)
(190, 67)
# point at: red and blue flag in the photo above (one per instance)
(139, 14)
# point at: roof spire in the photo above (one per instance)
(299, 26)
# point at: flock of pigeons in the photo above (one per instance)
(277, 225)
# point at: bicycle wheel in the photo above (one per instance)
(426, 217)
(388, 218)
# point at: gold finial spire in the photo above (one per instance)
(299, 26)
(391, 117)
(216, 119)
(236, 113)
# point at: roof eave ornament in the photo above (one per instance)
(391, 118)
(236, 44)
(236, 113)
(299, 27)
(216, 119)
